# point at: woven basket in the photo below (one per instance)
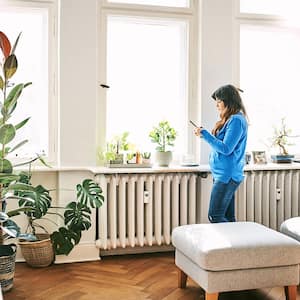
(40, 253)
(7, 269)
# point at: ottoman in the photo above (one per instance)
(236, 256)
(291, 227)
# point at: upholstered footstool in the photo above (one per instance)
(224, 257)
(291, 227)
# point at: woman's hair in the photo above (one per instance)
(233, 103)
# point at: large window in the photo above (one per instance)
(147, 68)
(32, 19)
(269, 74)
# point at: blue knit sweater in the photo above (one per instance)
(227, 158)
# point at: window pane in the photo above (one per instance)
(170, 3)
(275, 7)
(32, 55)
(147, 73)
(270, 74)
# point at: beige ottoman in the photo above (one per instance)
(236, 256)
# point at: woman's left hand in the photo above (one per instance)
(197, 131)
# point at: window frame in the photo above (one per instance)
(53, 122)
(134, 10)
(253, 19)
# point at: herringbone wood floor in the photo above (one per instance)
(132, 277)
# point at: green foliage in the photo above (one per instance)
(281, 137)
(35, 201)
(117, 145)
(163, 135)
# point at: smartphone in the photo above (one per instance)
(194, 124)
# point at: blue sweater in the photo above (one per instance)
(227, 158)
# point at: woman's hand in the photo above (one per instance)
(197, 131)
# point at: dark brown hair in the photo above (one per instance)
(233, 103)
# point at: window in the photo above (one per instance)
(33, 21)
(171, 3)
(269, 73)
(147, 68)
(270, 7)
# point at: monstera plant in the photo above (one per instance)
(34, 201)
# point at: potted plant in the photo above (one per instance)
(37, 245)
(116, 148)
(281, 139)
(35, 201)
(164, 136)
(146, 156)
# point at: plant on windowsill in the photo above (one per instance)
(116, 148)
(34, 201)
(164, 136)
(281, 140)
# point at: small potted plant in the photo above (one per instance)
(116, 148)
(146, 156)
(281, 139)
(164, 136)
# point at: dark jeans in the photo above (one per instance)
(221, 206)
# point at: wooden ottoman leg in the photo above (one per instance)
(290, 292)
(182, 278)
(213, 296)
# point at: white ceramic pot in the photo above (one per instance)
(163, 159)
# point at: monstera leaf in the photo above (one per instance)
(64, 240)
(77, 216)
(40, 196)
(89, 192)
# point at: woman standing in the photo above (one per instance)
(227, 159)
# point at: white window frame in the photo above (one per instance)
(53, 125)
(252, 19)
(190, 14)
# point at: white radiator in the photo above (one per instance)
(269, 197)
(142, 209)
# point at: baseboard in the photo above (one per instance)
(137, 250)
(81, 252)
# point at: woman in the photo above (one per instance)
(227, 159)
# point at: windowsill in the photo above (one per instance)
(156, 169)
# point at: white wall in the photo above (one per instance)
(78, 82)
(78, 73)
(216, 57)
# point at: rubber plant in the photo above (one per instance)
(34, 201)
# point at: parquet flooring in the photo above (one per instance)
(130, 277)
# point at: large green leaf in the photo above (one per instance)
(5, 166)
(90, 193)
(10, 102)
(10, 66)
(64, 240)
(41, 203)
(7, 133)
(77, 216)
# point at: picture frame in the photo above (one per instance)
(259, 157)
